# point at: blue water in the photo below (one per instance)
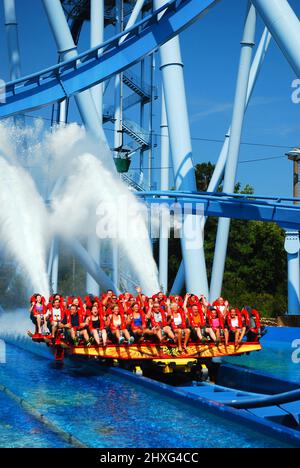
(108, 411)
(19, 430)
(278, 357)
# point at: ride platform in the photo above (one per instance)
(147, 351)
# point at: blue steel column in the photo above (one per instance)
(284, 26)
(11, 27)
(55, 265)
(221, 162)
(97, 37)
(233, 150)
(292, 246)
(180, 141)
(68, 50)
(118, 133)
(164, 186)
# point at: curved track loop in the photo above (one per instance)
(91, 67)
(226, 205)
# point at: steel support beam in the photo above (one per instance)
(284, 26)
(233, 150)
(184, 173)
(97, 38)
(221, 162)
(292, 246)
(55, 266)
(68, 50)
(14, 55)
(90, 265)
(164, 185)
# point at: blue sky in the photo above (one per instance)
(210, 50)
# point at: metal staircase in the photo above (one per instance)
(134, 83)
(131, 183)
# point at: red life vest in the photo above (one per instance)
(163, 322)
(69, 319)
(245, 317)
(183, 321)
(257, 321)
(52, 313)
(122, 325)
(101, 321)
(36, 312)
(238, 317)
(219, 316)
(132, 323)
(191, 317)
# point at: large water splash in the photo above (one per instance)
(66, 166)
(90, 188)
(22, 216)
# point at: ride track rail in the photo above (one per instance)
(104, 61)
(228, 205)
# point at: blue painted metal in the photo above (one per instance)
(90, 265)
(164, 185)
(11, 27)
(284, 26)
(55, 265)
(93, 248)
(14, 56)
(97, 38)
(273, 413)
(292, 246)
(233, 150)
(68, 50)
(220, 165)
(88, 69)
(254, 73)
(184, 174)
(247, 207)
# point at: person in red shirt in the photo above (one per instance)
(136, 320)
(159, 324)
(195, 317)
(117, 325)
(178, 325)
(97, 326)
(57, 315)
(75, 325)
(236, 329)
(38, 312)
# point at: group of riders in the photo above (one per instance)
(128, 319)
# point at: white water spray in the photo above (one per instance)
(88, 187)
(22, 217)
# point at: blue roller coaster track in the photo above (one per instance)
(100, 63)
(282, 211)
